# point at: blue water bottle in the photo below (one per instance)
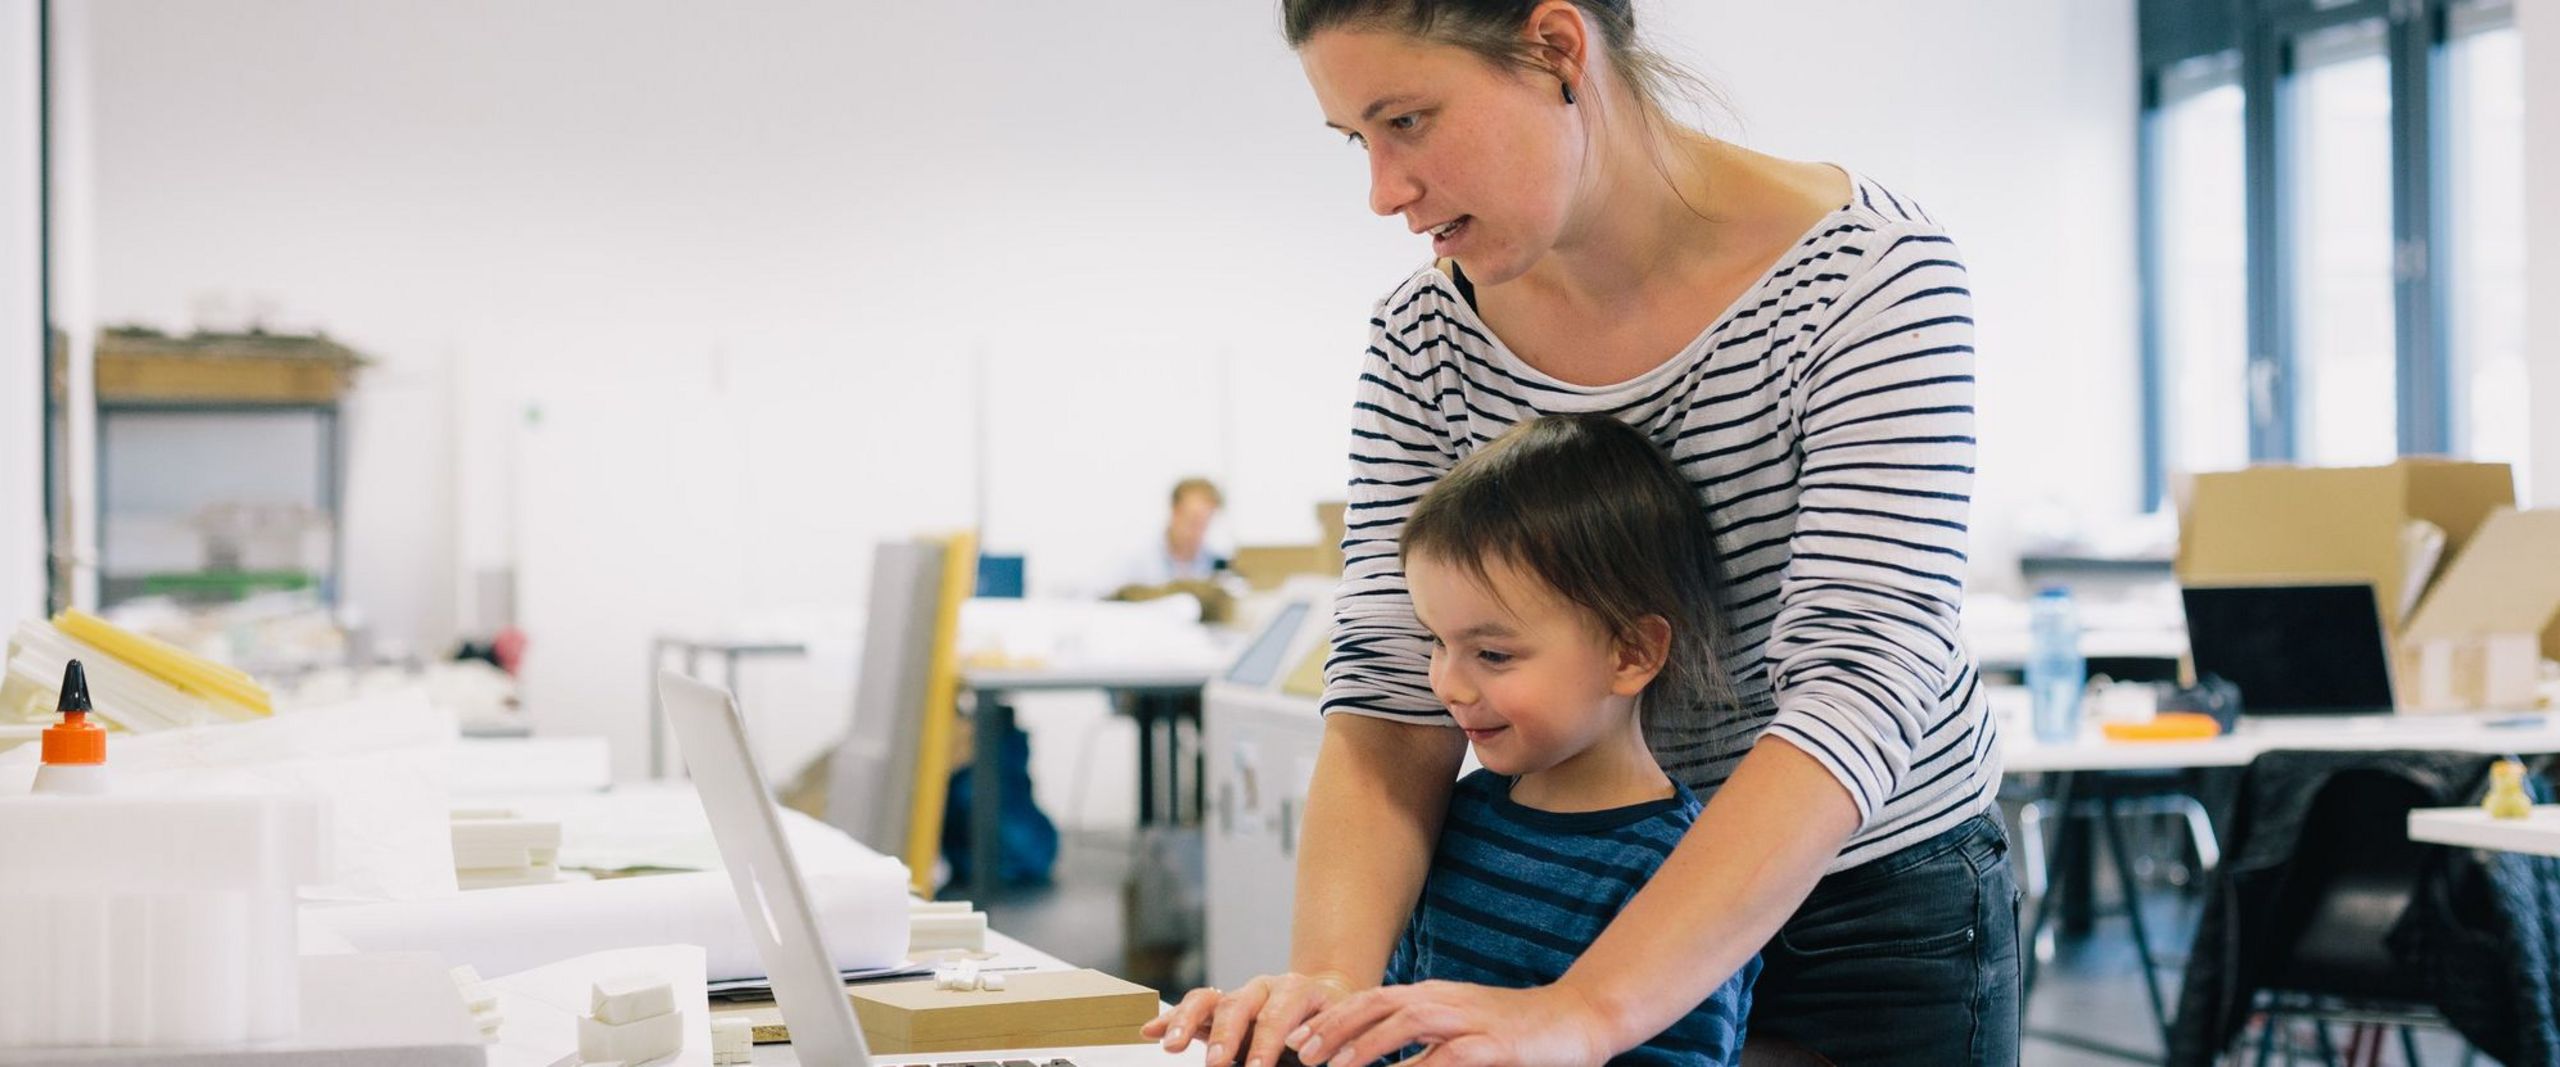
(2056, 672)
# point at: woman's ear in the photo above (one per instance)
(1561, 37)
(1641, 656)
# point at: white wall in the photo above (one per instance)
(679, 310)
(2012, 122)
(21, 320)
(2540, 24)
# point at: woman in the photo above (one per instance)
(1800, 341)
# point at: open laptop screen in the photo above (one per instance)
(2293, 649)
(1261, 660)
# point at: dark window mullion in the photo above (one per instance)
(2263, 63)
(2420, 251)
(2146, 251)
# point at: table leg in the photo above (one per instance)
(2133, 909)
(993, 720)
(2056, 875)
(1199, 762)
(1143, 710)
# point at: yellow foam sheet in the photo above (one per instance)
(187, 671)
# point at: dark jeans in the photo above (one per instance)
(1909, 958)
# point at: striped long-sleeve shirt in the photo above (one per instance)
(1826, 420)
(1515, 894)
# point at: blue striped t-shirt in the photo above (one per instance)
(1514, 895)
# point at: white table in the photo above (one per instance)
(2489, 733)
(2484, 732)
(2538, 835)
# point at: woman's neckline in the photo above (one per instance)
(1511, 361)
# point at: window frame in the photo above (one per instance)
(2262, 34)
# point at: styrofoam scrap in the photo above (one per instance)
(733, 1040)
(466, 976)
(508, 876)
(631, 1042)
(939, 907)
(630, 998)
(522, 833)
(501, 857)
(928, 932)
(992, 983)
(480, 998)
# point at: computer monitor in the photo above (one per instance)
(1261, 660)
(2313, 649)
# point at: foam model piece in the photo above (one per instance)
(633, 1020)
(632, 998)
(481, 1000)
(733, 1041)
(153, 919)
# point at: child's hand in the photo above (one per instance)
(1250, 1021)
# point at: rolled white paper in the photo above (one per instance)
(861, 909)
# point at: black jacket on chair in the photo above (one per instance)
(2321, 891)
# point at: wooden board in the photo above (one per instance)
(1036, 1009)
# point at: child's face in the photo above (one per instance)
(1532, 678)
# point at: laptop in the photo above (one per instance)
(2294, 651)
(748, 827)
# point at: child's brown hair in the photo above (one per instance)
(1594, 510)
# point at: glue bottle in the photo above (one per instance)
(75, 750)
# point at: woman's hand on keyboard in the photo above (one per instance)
(1248, 1023)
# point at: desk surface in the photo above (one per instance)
(2473, 828)
(2020, 752)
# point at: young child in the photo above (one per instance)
(1569, 580)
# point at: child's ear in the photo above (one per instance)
(1641, 656)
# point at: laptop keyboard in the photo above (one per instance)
(1003, 1063)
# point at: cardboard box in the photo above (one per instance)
(2478, 640)
(1329, 531)
(1265, 567)
(2276, 524)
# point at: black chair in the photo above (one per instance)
(2357, 872)
(2307, 935)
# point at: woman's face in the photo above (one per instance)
(1483, 158)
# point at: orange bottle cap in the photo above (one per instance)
(77, 740)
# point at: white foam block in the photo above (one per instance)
(732, 1041)
(927, 932)
(631, 1042)
(630, 998)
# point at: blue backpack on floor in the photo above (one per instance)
(1026, 841)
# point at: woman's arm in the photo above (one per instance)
(1388, 761)
(1757, 849)
(1373, 815)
